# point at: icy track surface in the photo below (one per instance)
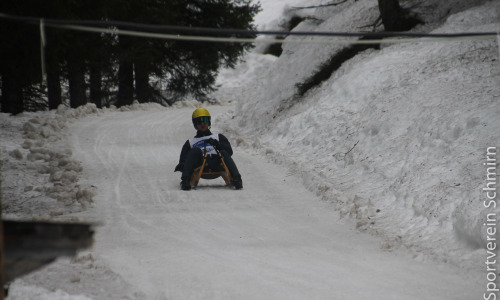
(271, 240)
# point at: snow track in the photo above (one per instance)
(271, 240)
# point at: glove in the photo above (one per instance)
(213, 142)
(179, 167)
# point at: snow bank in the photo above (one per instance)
(40, 180)
(396, 138)
(75, 275)
(35, 292)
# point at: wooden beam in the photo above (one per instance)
(29, 246)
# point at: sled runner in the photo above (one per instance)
(206, 173)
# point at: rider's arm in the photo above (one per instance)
(184, 152)
(225, 145)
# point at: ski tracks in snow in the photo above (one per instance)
(271, 240)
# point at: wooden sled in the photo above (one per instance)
(204, 172)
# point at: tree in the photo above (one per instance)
(184, 67)
(199, 62)
(53, 72)
(19, 58)
(394, 17)
(84, 60)
(54, 44)
(69, 56)
(83, 53)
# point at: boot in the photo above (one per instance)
(237, 183)
(185, 184)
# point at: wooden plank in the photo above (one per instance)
(31, 245)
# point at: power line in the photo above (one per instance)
(322, 40)
(202, 34)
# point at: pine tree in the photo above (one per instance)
(183, 67)
(19, 57)
(99, 62)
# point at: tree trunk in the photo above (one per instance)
(125, 72)
(142, 88)
(76, 78)
(53, 74)
(54, 89)
(391, 12)
(125, 83)
(96, 86)
(395, 18)
(12, 95)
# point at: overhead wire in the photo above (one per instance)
(324, 39)
(202, 34)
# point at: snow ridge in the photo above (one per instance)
(396, 138)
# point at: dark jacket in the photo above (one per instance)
(224, 145)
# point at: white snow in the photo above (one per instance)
(369, 186)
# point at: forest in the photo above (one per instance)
(43, 64)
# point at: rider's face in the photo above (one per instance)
(202, 126)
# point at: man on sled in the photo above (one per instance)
(207, 155)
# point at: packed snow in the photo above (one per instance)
(369, 186)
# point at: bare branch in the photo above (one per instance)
(322, 5)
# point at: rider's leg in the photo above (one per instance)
(231, 165)
(194, 159)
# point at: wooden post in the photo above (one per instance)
(2, 253)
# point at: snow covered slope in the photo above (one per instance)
(271, 240)
(396, 138)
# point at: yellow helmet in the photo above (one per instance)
(200, 112)
(201, 115)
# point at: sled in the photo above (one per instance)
(204, 172)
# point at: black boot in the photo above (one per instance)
(185, 184)
(237, 183)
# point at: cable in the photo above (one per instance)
(253, 40)
(174, 32)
